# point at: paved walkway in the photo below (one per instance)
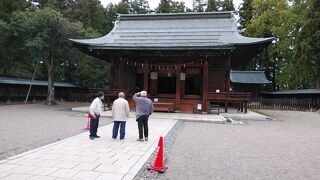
(79, 157)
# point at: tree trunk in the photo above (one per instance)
(50, 97)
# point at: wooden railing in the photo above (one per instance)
(239, 99)
(229, 96)
(294, 104)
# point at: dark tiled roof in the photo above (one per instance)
(173, 31)
(15, 81)
(248, 77)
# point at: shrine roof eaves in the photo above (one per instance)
(177, 31)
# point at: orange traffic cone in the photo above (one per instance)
(88, 122)
(158, 164)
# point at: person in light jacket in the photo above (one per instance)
(143, 110)
(95, 110)
(120, 114)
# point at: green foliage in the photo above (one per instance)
(169, 6)
(140, 7)
(227, 5)
(123, 7)
(7, 7)
(198, 5)
(211, 7)
(308, 46)
(292, 61)
(271, 18)
(245, 14)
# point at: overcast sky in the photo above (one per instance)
(154, 3)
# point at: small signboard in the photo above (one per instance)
(199, 107)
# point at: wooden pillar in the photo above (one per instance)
(145, 76)
(205, 87)
(153, 85)
(178, 86)
(227, 82)
(113, 75)
(228, 69)
(120, 76)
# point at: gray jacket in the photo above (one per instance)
(144, 105)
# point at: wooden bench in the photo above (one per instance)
(162, 106)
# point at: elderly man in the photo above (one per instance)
(95, 110)
(120, 113)
(143, 110)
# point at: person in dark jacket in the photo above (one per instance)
(144, 108)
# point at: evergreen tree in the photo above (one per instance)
(140, 6)
(271, 18)
(164, 6)
(123, 7)
(7, 7)
(227, 5)
(245, 14)
(211, 7)
(198, 5)
(169, 6)
(308, 45)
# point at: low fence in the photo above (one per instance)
(299, 104)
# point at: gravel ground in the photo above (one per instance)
(286, 148)
(25, 127)
(168, 142)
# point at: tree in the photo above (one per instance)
(12, 50)
(169, 6)
(7, 7)
(308, 45)
(164, 6)
(198, 5)
(111, 16)
(177, 7)
(245, 14)
(123, 7)
(211, 7)
(271, 18)
(228, 5)
(140, 6)
(50, 32)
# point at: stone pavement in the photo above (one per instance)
(79, 157)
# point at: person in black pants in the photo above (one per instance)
(143, 110)
(95, 110)
(143, 127)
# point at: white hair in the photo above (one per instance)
(143, 93)
(121, 95)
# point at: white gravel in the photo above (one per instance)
(286, 148)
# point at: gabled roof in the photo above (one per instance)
(248, 77)
(172, 31)
(15, 81)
